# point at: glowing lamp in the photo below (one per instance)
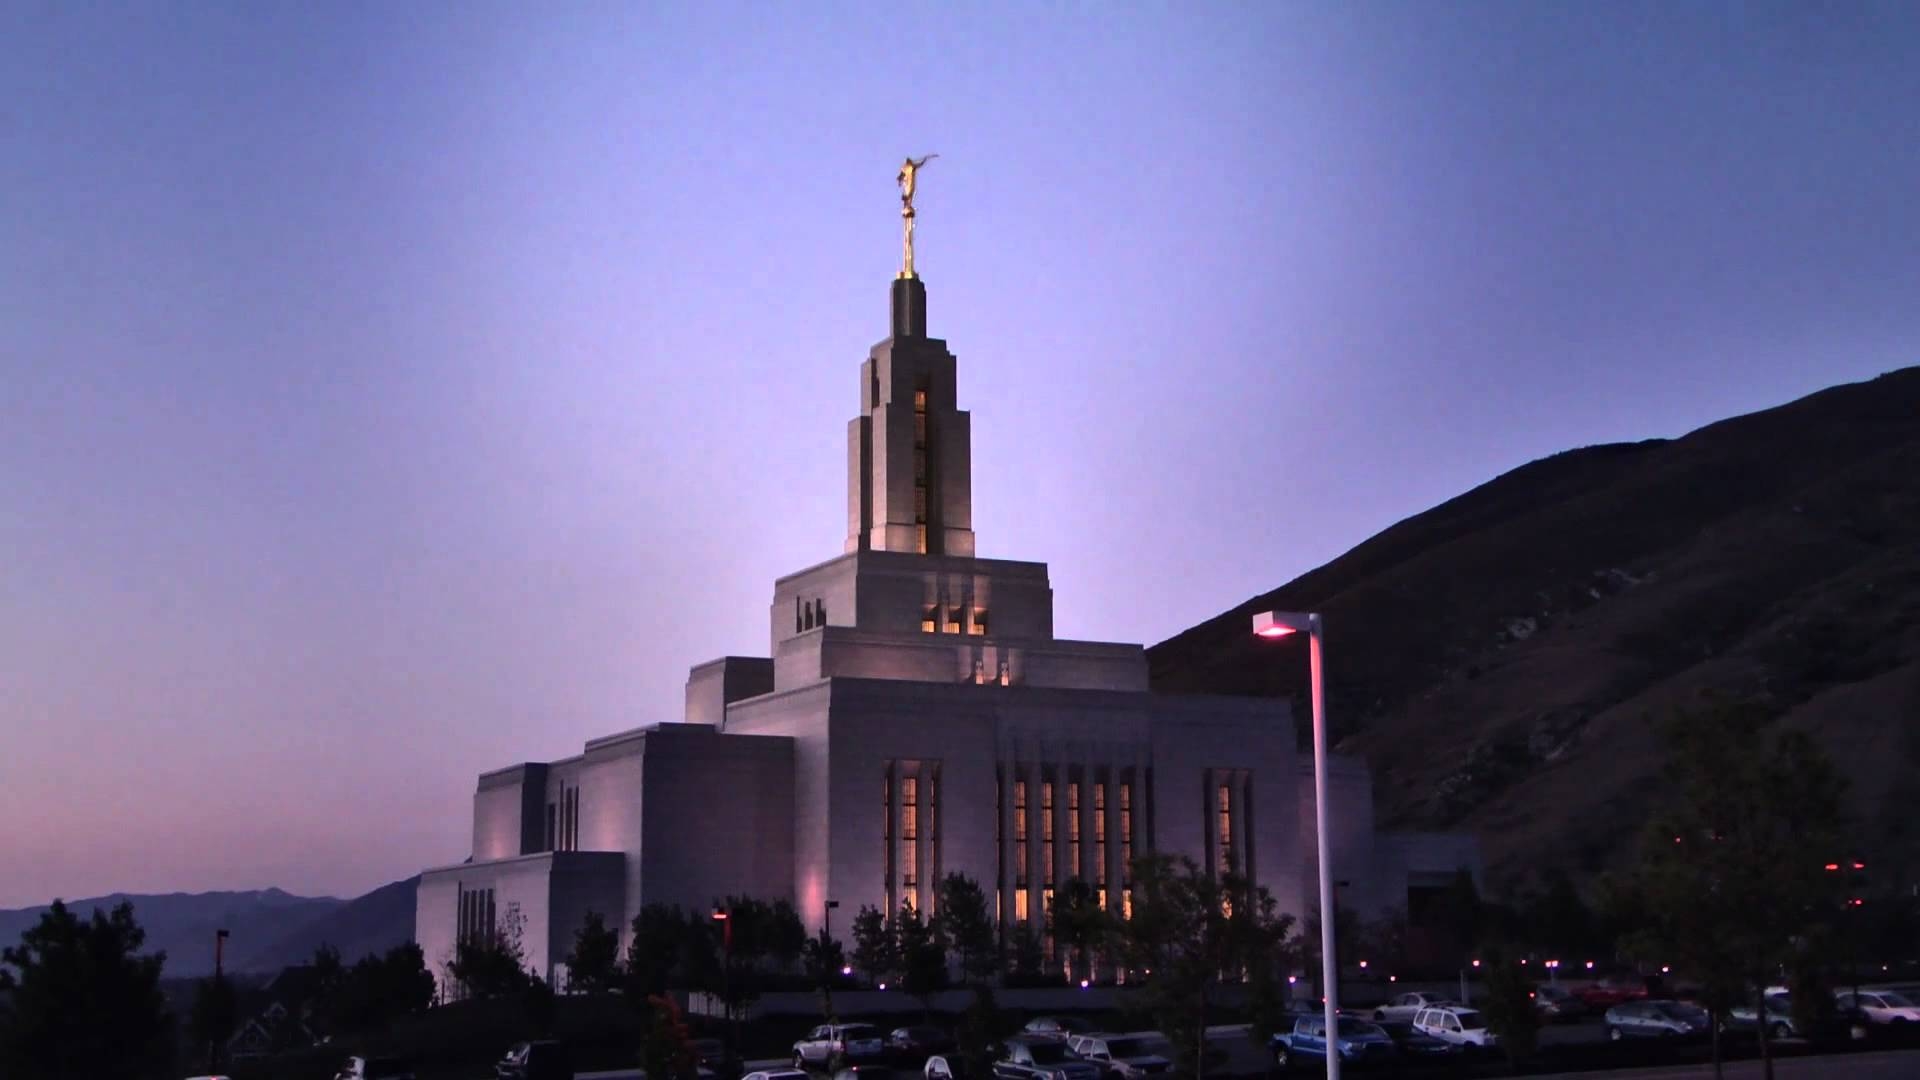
(1589, 965)
(1859, 866)
(1664, 969)
(1278, 624)
(883, 986)
(1363, 965)
(1832, 866)
(1291, 979)
(847, 969)
(1476, 963)
(1393, 978)
(1083, 984)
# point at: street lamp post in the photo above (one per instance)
(723, 917)
(827, 922)
(1279, 624)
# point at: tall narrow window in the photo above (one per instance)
(886, 835)
(1126, 832)
(953, 618)
(1046, 832)
(1020, 906)
(1006, 676)
(979, 621)
(920, 469)
(1100, 839)
(999, 836)
(1224, 796)
(1073, 829)
(553, 827)
(820, 612)
(909, 832)
(1020, 838)
(799, 616)
(928, 619)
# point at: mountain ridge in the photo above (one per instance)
(1497, 657)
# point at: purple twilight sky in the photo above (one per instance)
(390, 392)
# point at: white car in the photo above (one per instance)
(1456, 1024)
(829, 1044)
(1131, 1057)
(777, 1074)
(1881, 1006)
(1408, 1006)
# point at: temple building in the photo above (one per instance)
(915, 715)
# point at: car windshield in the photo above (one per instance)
(1048, 1053)
(859, 1031)
(1673, 1010)
(1470, 1019)
(1126, 1048)
(1893, 999)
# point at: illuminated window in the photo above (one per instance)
(1103, 901)
(953, 618)
(979, 621)
(1020, 906)
(909, 832)
(920, 538)
(1100, 813)
(1020, 839)
(920, 428)
(1225, 844)
(979, 674)
(1126, 832)
(929, 617)
(1126, 903)
(1006, 676)
(919, 401)
(1073, 829)
(1046, 832)
(886, 834)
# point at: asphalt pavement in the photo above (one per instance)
(1890, 1065)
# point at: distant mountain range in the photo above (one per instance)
(1500, 657)
(268, 929)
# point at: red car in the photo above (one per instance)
(1607, 993)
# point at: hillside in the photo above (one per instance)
(1498, 658)
(183, 924)
(270, 929)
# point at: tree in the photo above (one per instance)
(1732, 871)
(666, 1047)
(1189, 930)
(824, 957)
(1026, 956)
(594, 961)
(967, 928)
(491, 963)
(212, 1019)
(376, 990)
(923, 957)
(786, 935)
(875, 953)
(1080, 925)
(1508, 1002)
(656, 950)
(78, 999)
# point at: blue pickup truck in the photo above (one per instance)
(1358, 1042)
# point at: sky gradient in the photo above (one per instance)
(393, 392)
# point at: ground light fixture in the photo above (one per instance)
(1280, 624)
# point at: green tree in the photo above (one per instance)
(786, 935)
(876, 953)
(1026, 956)
(923, 957)
(666, 1045)
(1080, 926)
(968, 928)
(593, 963)
(77, 998)
(656, 950)
(1732, 871)
(492, 963)
(1507, 1002)
(823, 956)
(212, 1019)
(982, 1027)
(1190, 930)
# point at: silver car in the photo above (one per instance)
(1655, 1020)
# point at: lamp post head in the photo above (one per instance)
(719, 915)
(1278, 624)
(831, 904)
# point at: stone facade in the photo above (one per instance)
(916, 717)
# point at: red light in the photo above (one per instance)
(1832, 866)
(1859, 866)
(1676, 839)
(1857, 902)
(1276, 631)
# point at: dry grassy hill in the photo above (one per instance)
(1498, 658)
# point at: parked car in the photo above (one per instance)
(363, 1068)
(1558, 1003)
(1607, 993)
(1042, 1058)
(1058, 1027)
(712, 1056)
(946, 1067)
(1357, 1042)
(1416, 1046)
(1407, 1006)
(830, 1045)
(777, 1074)
(873, 1071)
(1656, 1020)
(541, 1060)
(1879, 1006)
(1457, 1024)
(913, 1045)
(1126, 1057)
(1742, 1017)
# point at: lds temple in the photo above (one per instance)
(917, 716)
